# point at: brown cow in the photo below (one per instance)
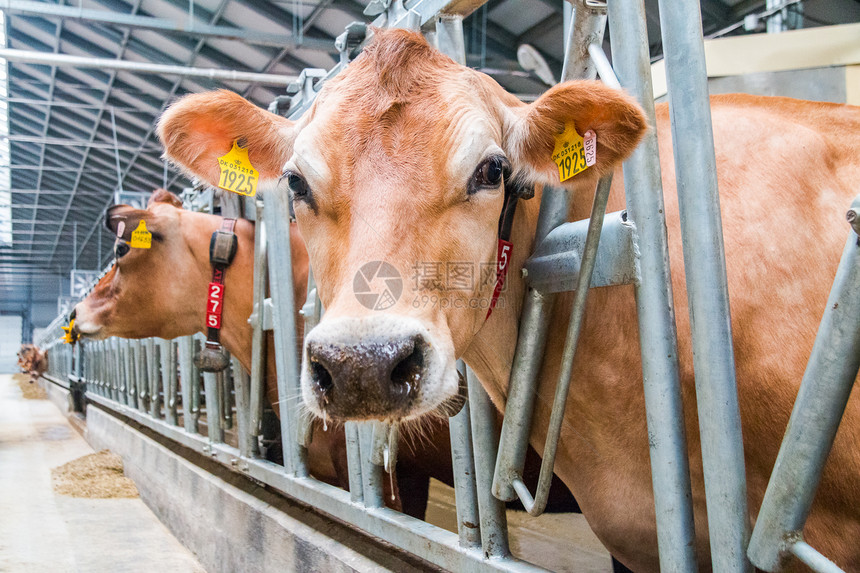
(160, 292)
(32, 360)
(402, 159)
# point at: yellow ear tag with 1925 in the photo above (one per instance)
(140, 237)
(237, 173)
(574, 154)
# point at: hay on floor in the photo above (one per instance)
(30, 390)
(97, 475)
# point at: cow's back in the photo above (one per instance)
(787, 171)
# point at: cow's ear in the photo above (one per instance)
(615, 117)
(122, 220)
(163, 196)
(199, 128)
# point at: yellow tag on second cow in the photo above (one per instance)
(237, 173)
(140, 237)
(569, 153)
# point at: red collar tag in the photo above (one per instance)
(215, 302)
(503, 259)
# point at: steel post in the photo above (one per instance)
(277, 217)
(187, 381)
(707, 285)
(241, 383)
(258, 337)
(824, 392)
(154, 378)
(353, 462)
(537, 306)
(465, 487)
(168, 378)
(213, 407)
(485, 443)
(670, 472)
(371, 474)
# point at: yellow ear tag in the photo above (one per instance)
(572, 153)
(237, 173)
(69, 337)
(140, 237)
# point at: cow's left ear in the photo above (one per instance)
(615, 117)
(122, 220)
(200, 128)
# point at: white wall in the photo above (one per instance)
(10, 342)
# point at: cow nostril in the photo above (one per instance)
(408, 371)
(322, 378)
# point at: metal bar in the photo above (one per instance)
(258, 339)
(353, 462)
(277, 217)
(586, 28)
(154, 378)
(537, 306)
(119, 365)
(194, 29)
(168, 378)
(213, 407)
(824, 392)
(604, 68)
(707, 285)
(241, 382)
(437, 546)
(577, 314)
(485, 439)
(556, 262)
(225, 391)
(50, 59)
(140, 373)
(465, 487)
(130, 374)
(371, 474)
(187, 381)
(670, 472)
(812, 558)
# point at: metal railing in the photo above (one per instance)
(156, 383)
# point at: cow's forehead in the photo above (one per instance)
(447, 125)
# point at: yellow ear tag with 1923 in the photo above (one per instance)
(140, 237)
(574, 154)
(237, 173)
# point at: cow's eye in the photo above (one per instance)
(120, 249)
(489, 173)
(296, 184)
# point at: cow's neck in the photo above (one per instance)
(238, 286)
(491, 353)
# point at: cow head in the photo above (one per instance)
(397, 175)
(143, 293)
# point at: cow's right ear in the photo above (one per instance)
(199, 128)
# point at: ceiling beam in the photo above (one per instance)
(162, 25)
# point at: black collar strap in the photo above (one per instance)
(514, 190)
(222, 250)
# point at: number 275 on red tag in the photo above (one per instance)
(213, 305)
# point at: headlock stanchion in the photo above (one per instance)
(586, 27)
(156, 383)
(824, 392)
(643, 186)
(707, 285)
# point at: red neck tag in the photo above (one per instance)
(215, 302)
(503, 259)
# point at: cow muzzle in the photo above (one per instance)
(377, 367)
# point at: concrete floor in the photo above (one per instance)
(42, 531)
